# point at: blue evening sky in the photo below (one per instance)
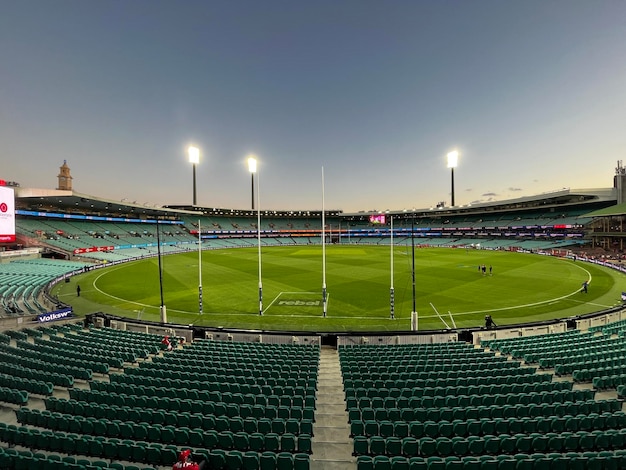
(532, 94)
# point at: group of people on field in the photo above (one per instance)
(482, 268)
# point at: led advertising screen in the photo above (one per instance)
(377, 219)
(7, 215)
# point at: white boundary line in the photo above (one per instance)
(543, 302)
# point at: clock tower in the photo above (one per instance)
(65, 179)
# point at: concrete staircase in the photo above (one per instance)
(332, 446)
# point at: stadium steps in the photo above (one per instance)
(332, 446)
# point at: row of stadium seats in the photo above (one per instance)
(509, 444)
(452, 401)
(574, 366)
(114, 356)
(193, 368)
(140, 451)
(68, 411)
(274, 356)
(289, 397)
(172, 434)
(506, 376)
(11, 458)
(38, 387)
(465, 413)
(522, 386)
(506, 345)
(217, 383)
(32, 361)
(381, 373)
(374, 365)
(187, 405)
(487, 426)
(412, 375)
(93, 362)
(12, 395)
(16, 370)
(111, 336)
(522, 461)
(128, 352)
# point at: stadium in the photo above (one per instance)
(481, 336)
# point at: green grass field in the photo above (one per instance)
(450, 290)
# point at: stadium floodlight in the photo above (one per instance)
(199, 267)
(453, 160)
(252, 167)
(252, 170)
(194, 158)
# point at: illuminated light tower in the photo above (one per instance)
(194, 159)
(453, 160)
(252, 170)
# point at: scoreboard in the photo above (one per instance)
(7, 215)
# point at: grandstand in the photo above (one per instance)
(84, 229)
(535, 396)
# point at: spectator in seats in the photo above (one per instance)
(167, 344)
(186, 461)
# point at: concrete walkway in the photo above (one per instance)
(332, 446)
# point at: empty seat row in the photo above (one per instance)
(31, 360)
(12, 458)
(16, 370)
(439, 392)
(38, 387)
(487, 426)
(136, 424)
(186, 405)
(408, 413)
(509, 444)
(356, 380)
(521, 461)
(225, 384)
(452, 401)
(291, 396)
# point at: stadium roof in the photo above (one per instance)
(43, 199)
(617, 209)
(558, 198)
(39, 199)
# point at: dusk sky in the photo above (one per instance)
(532, 94)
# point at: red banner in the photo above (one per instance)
(93, 249)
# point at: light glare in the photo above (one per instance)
(252, 164)
(453, 159)
(194, 154)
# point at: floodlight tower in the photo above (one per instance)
(194, 159)
(453, 160)
(252, 170)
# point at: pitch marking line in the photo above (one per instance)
(534, 304)
(130, 301)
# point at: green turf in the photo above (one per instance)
(450, 290)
